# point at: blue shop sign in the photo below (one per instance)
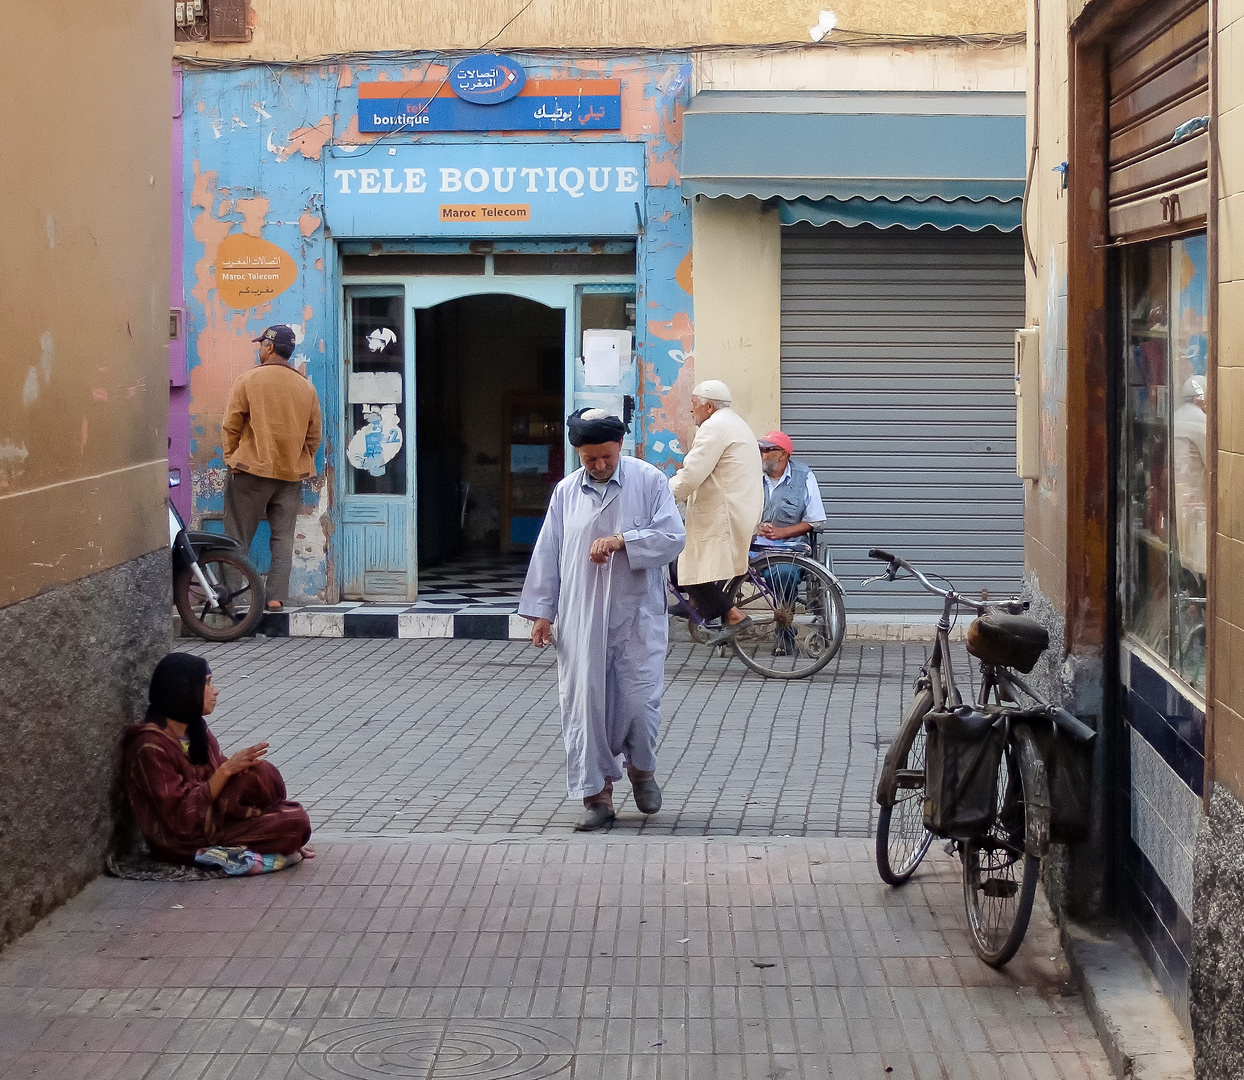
(486, 189)
(487, 79)
(538, 105)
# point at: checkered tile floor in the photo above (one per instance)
(492, 581)
(474, 597)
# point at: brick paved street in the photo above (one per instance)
(452, 926)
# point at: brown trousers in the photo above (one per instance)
(252, 499)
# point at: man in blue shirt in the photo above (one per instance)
(793, 504)
(793, 509)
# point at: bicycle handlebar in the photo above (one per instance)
(1012, 604)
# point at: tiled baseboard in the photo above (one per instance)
(393, 621)
(363, 623)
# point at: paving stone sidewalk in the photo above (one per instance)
(452, 927)
(614, 958)
(389, 738)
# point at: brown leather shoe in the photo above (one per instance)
(647, 795)
(594, 816)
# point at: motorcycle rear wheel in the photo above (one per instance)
(239, 592)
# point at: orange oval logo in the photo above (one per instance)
(251, 271)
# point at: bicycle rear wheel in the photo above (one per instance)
(797, 612)
(1000, 870)
(902, 839)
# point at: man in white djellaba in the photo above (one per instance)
(598, 569)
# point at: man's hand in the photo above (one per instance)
(541, 633)
(782, 532)
(604, 547)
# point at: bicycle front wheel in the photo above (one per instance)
(797, 613)
(237, 592)
(999, 870)
(902, 839)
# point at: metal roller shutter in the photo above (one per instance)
(897, 389)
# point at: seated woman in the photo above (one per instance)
(186, 794)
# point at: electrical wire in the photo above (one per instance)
(843, 39)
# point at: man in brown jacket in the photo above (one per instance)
(271, 432)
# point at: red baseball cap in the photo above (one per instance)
(779, 439)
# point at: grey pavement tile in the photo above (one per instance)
(579, 942)
(398, 737)
(451, 907)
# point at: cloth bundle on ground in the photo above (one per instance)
(167, 781)
(136, 863)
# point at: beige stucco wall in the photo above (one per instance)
(737, 276)
(292, 29)
(1045, 498)
(84, 212)
(928, 67)
(1228, 571)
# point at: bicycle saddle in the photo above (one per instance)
(1013, 641)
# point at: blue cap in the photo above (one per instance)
(282, 338)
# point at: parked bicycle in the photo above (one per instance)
(796, 607)
(999, 779)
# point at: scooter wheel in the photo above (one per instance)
(239, 594)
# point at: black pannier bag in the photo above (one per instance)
(963, 750)
(1066, 746)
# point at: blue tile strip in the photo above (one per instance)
(1161, 931)
(1169, 722)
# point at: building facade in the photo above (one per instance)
(84, 566)
(1134, 510)
(458, 272)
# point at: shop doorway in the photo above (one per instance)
(453, 396)
(490, 392)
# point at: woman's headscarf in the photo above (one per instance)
(177, 687)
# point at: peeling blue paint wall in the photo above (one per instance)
(256, 141)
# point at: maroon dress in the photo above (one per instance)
(175, 810)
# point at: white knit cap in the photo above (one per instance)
(712, 390)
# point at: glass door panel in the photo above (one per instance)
(606, 374)
(1163, 516)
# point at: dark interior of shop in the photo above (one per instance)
(490, 376)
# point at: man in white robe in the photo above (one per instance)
(598, 569)
(721, 481)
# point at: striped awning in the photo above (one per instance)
(906, 158)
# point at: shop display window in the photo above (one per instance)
(375, 398)
(1162, 482)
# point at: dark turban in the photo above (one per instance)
(177, 688)
(587, 427)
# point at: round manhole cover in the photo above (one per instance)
(437, 1050)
